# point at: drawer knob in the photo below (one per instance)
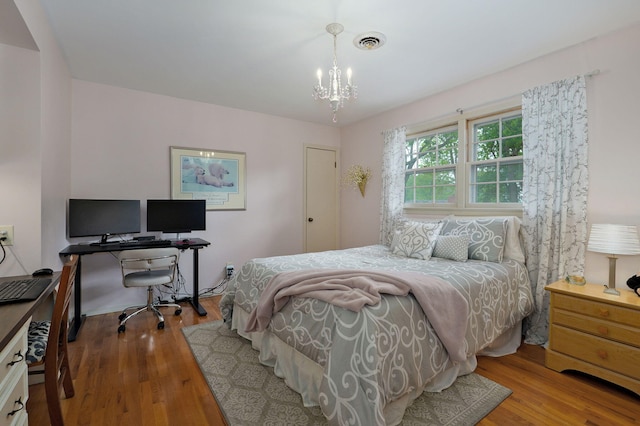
(603, 330)
(603, 354)
(604, 312)
(17, 357)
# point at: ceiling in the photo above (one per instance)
(262, 56)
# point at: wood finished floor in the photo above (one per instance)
(147, 376)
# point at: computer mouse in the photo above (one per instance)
(43, 271)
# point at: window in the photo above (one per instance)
(431, 163)
(496, 160)
(473, 163)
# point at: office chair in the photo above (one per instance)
(148, 268)
(47, 342)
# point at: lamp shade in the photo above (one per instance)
(614, 239)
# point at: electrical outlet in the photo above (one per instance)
(229, 269)
(6, 232)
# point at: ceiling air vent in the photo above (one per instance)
(370, 41)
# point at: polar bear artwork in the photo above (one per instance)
(215, 177)
(217, 181)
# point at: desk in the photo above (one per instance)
(14, 315)
(14, 389)
(194, 244)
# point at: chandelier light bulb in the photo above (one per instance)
(335, 93)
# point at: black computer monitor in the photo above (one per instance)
(177, 216)
(88, 218)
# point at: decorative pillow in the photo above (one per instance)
(415, 239)
(486, 236)
(454, 247)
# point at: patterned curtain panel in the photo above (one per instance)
(393, 162)
(554, 127)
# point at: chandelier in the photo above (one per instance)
(335, 93)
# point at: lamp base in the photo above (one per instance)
(613, 291)
(611, 288)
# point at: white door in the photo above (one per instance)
(321, 199)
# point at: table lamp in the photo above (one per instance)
(613, 240)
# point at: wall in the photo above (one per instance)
(612, 98)
(20, 156)
(120, 149)
(35, 133)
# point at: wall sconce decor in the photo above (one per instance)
(357, 177)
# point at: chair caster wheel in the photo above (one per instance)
(178, 311)
(122, 316)
(121, 329)
(161, 325)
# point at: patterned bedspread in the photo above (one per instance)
(387, 351)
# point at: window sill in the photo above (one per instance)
(469, 211)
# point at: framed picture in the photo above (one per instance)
(215, 176)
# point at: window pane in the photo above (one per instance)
(486, 151)
(408, 195)
(424, 179)
(447, 176)
(485, 193)
(448, 148)
(511, 192)
(487, 131)
(446, 194)
(512, 147)
(512, 126)
(448, 156)
(511, 171)
(428, 143)
(484, 173)
(427, 159)
(424, 195)
(410, 180)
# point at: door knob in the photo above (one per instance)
(310, 219)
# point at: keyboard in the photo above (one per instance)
(145, 243)
(133, 244)
(22, 290)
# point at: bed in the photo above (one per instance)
(365, 366)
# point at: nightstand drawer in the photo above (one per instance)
(594, 309)
(598, 351)
(606, 329)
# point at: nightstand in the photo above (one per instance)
(595, 333)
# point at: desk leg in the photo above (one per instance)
(78, 318)
(196, 290)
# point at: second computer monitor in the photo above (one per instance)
(177, 216)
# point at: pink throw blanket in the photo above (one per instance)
(446, 309)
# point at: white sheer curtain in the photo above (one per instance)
(393, 163)
(554, 127)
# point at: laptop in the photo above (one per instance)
(22, 289)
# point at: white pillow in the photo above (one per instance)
(415, 239)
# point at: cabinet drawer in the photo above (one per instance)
(595, 309)
(595, 350)
(12, 356)
(13, 405)
(606, 329)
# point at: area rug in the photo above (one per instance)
(249, 394)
